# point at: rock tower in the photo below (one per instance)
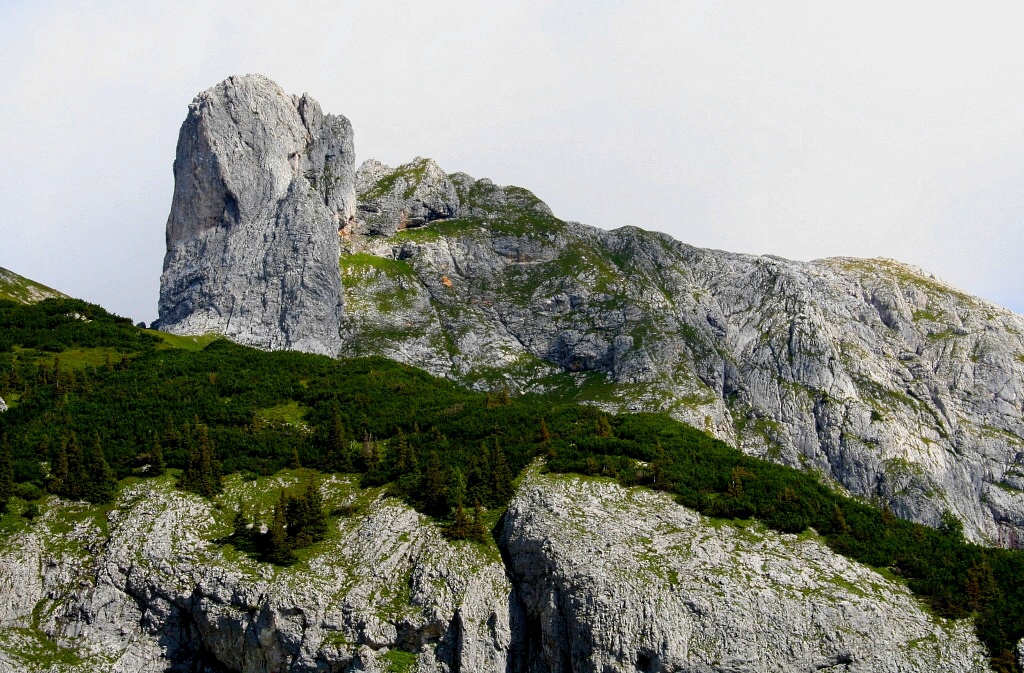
(263, 181)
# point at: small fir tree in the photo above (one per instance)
(279, 549)
(100, 484)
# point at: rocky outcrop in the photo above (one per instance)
(618, 580)
(875, 374)
(20, 289)
(595, 578)
(263, 181)
(146, 591)
(412, 195)
(3, 405)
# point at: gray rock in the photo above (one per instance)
(599, 578)
(263, 181)
(412, 195)
(3, 405)
(876, 375)
(619, 580)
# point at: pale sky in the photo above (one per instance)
(869, 129)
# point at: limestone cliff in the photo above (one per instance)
(873, 373)
(591, 577)
(263, 181)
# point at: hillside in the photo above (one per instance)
(21, 289)
(887, 382)
(102, 409)
(448, 430)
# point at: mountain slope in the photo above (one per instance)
(884, 380)
(20, 289)
(628, 581)
(873, 373)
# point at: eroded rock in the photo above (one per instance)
(263, 181)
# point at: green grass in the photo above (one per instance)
(22, 290)
(188, 343)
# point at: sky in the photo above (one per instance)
(798, 129)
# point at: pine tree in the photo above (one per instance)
(295, 462)
(241, 530)
(100, 484)
(305, 517)
(604, 428)
(432, 487)
(461, 527)
(156, 462)
(545, 436)
(478, 475)
(58, 469)
(6, 472)
(337, 458)
(478, 531)
(405, 457)
(202, 475)
(501, 476)
(74, 486)
(279, 551)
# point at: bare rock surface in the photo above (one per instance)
(412, 195)
(144, 590)
(263, 181)
(875, 374)
(592, 577)
(617, 579)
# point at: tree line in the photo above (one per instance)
(451, 453)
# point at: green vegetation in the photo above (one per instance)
(450, 452)
(22, 290)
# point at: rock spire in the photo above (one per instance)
(263, 181)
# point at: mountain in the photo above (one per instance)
(889, 383)
(593, 577)
(612, 452)
(20, 289)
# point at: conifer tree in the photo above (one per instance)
(501, 476)
(241, 530)
(337, 458)
(202, 475)
(295, 462)
(6, 473)
(156, 462)
(405, 457)
(433, 488)
(604, 428)
(74, 486)
(100, 483)
(478, 475)
(477, 530)
(305, 518)
(461, 526)
(279, 551)
(545, 436)
(58, 469)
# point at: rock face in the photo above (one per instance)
(263, 181)
(598, 578)
(412, 195)
(626, 580)
(875, 374)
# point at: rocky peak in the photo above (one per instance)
(412, 195)
(263, 182)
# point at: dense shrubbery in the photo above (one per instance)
(448, 451)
